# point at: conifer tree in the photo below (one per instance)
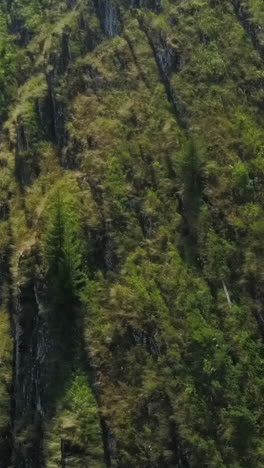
(64, 244)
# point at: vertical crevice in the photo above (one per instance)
(250, 28)
(173, 99)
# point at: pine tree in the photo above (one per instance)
(63, 248)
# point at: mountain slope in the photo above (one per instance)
(131, 206)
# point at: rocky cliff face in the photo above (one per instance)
(131, 221)
(31, 345)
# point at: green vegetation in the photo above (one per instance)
(64, 244)
(75, 428)
(131, 222)
(8, 65)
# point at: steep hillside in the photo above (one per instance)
(131, 233)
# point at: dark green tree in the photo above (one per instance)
(64, 244)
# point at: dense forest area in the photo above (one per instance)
(131, 233)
